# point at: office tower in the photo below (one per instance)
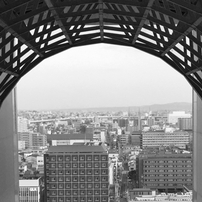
(76, 173)
(160, 138)
(165, 171)
(185, 123)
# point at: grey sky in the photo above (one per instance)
(101, 76)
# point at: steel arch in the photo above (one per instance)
(33, 30)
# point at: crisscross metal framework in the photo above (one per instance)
(33, 30)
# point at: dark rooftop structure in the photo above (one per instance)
(77, 148)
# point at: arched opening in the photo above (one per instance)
(103, 76)
(108, 70)
(168, 29)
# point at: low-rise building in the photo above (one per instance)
(30, 190)
(161, 138)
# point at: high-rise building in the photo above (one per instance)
(76, 173)
(22, 124)
(185, 123)
(160, 138)
(165, 171)
(33, 140)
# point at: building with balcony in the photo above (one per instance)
(33, 140)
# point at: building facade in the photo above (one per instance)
(185, 123)
(76, 174)
(33, 140)
(30, 190)
(136, 138)
(22, 124)
(160, 138)
(165, 171)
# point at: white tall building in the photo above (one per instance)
(22, 124)
(173, 117)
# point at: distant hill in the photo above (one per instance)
(176, 106)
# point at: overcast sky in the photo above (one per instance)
(101, 76)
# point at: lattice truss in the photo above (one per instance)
(33, 30)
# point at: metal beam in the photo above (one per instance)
(144, 18)
(57, 18)
(188, 6)
(192, 27)
(18, 36)
(13, 5)
(101, 19)
(8, 72)
(194, 71)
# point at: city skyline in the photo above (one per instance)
(101, 76)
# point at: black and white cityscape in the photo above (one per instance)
(100, 100)
(97, 155)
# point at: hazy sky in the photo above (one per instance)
(101, 76)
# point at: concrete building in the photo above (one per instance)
(111, 173)
(99, 135)
(33, 140)
(124, 139)
(30, 190)
(21, 145)
(165, 171)
(173, 117)
(40, 164)
(160, 138)
(22, 124)
(38, 140)
(185, 123)
(69, 139)
(136, 138)
(139, 192)
(76, 173)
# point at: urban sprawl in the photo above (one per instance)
(105, 156)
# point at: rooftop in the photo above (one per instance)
(75, 136)
(77, 148)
